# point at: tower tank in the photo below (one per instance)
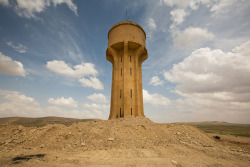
(126, 51)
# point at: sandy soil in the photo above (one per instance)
(121, 142)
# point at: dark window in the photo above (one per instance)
(131, 111)
(131, 93)
(130, 71)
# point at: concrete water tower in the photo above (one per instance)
(126, 51)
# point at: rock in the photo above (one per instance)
(174, 162)
(178, 133)
(83, 143)
(111, 139)
(42, 146)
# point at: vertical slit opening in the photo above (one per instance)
(130, 71)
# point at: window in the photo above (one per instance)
(121, 71)
(131, 111)
(131, 93)
(130, 71)
(120, 93)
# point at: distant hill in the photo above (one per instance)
(211, 123)
(223, 128)
(38, 122)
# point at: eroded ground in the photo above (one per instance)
(122, 142)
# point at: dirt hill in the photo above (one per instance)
(121, 142)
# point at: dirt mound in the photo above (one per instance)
(137, 136)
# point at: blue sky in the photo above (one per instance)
(53, 62)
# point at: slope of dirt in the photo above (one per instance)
(121, 142)
(38, 122)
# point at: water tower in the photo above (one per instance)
(126, 51)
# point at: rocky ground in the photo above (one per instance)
(121, 142)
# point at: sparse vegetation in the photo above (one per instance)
(226, 129)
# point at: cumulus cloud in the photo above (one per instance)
(98, 97)
(151, 24)
(92, 82)
(20, 48)
(214, 80)
(219, 7)
(96, 110)
(191, 36)
(216, 6)
(181, 7)
(155, 99)
(11, 67)
(17, 104)
(178, 16)
(96, 106)
(193, 4)
(29, 8)
(69, 102)
(4, 2)
(155, 80)
(78, 71)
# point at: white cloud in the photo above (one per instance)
(155, 80)
(78, 71)
(212, 80)
(96, 110)
(29, 8)
(20, 48)
(4, 2)
(98, 97)
(191, 36)
(193, 4)
(92, 82)
(180, 8)
(178, 16)
(220, 7)
(96, 106)
(69, 102)
(17, 104)
(11, 67)
(155, 99)
(151, 24)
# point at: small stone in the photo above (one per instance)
(111, 139)
(83, 144)
(20, 128)
(178, 133)
(174, 162)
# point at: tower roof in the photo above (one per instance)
(128, 23)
